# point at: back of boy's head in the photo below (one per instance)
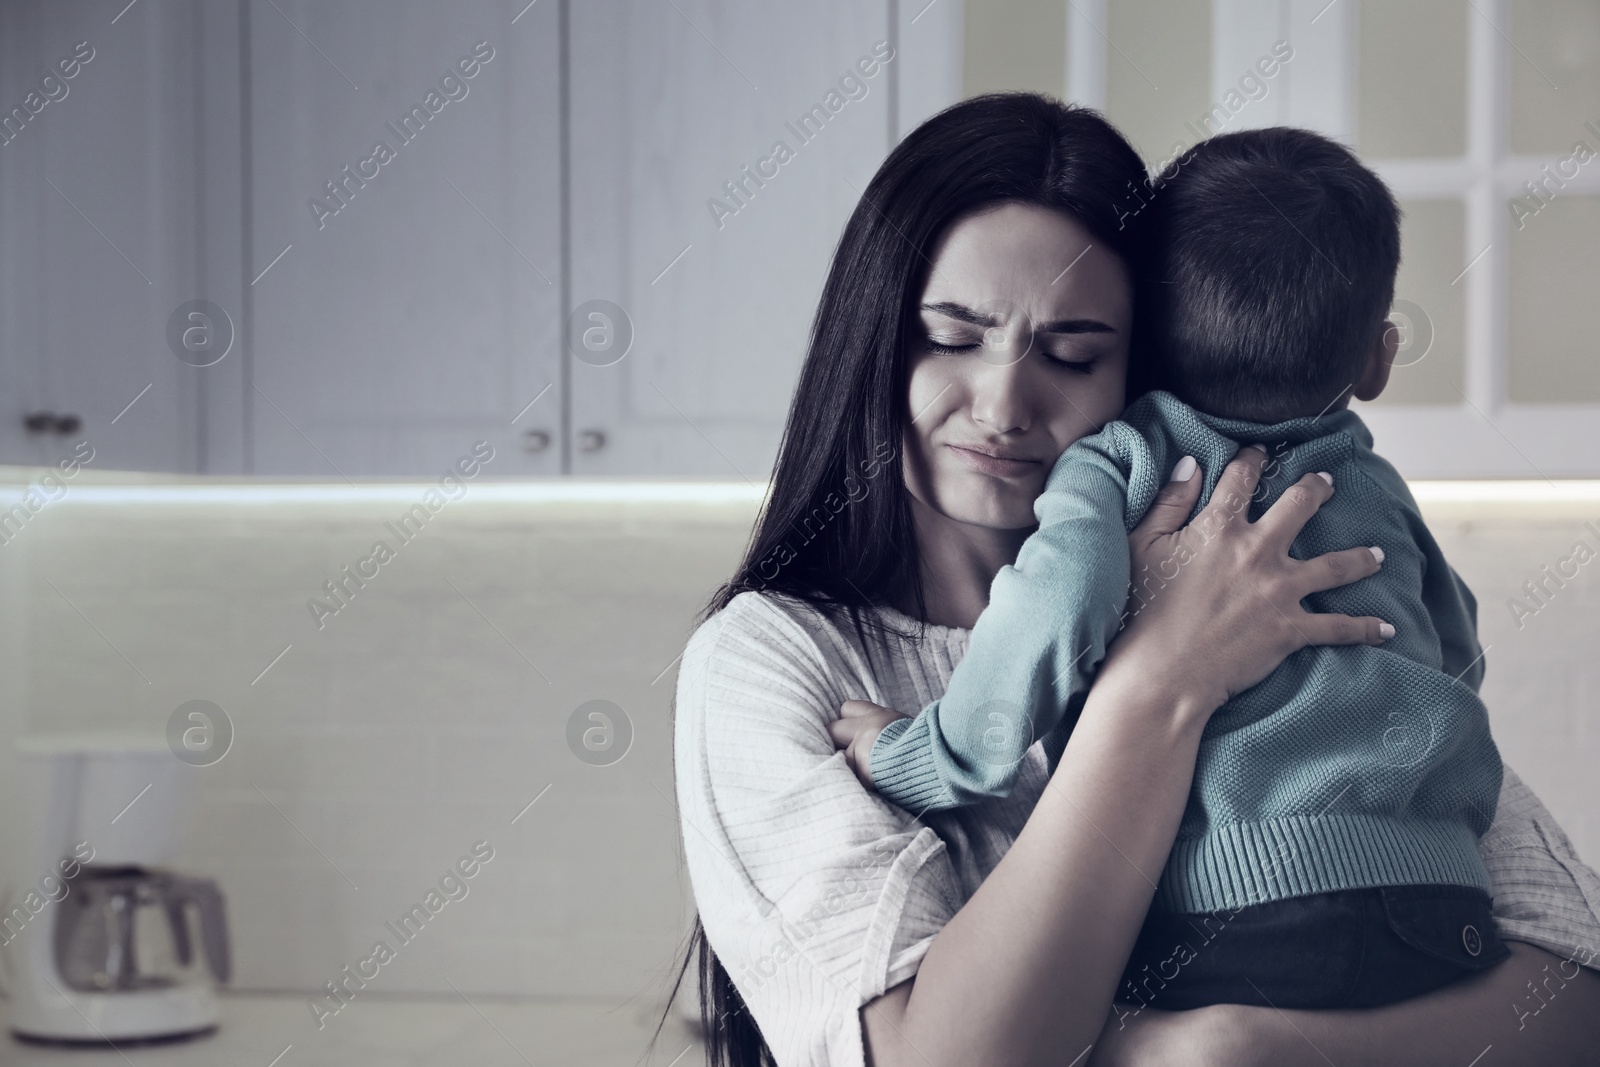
(1273, 262)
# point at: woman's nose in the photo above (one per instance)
(1002, 394)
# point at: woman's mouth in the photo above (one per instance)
(996, 464)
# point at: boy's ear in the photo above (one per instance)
(1380, 360)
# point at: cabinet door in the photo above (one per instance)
(100, 236)
(408, 295)
(688, 217)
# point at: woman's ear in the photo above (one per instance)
(1380, 360)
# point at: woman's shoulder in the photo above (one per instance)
(757, 614)
(780, 631)
(758, 631)
(770, 648)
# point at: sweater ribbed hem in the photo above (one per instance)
(1250, 863)
(902, 771)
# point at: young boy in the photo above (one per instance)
(1328, 855)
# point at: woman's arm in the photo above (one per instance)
(1535, 1008)
(1024, 973)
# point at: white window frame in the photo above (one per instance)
(1485, 434)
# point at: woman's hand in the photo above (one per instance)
(1216, 603)
(857, 729)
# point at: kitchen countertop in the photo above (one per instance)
(278, 1030)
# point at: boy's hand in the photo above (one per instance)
(859, 725)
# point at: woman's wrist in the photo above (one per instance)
(1130, 678)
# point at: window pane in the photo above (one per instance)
(1162, 77)
(1555, 73)
(1015, 44)
(1428, 309)
(1553, 335)
(1412, 80)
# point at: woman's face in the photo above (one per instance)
(1022, 349)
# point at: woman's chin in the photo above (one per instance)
(997, 511)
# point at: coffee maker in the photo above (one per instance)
(98, 936)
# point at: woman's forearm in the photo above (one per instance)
(1535, 1008)
(1026, 970)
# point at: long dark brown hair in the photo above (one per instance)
(836, 530)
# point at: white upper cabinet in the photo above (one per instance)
(105, 193)
(717, 149)
(352, 240)
(404, 177)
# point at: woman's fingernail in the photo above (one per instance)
(1385, 630)
(1325, 476)
(1185, 469)
(1377, 554)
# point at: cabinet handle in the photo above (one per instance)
(591, 440)
(536, 440)
(50, 422)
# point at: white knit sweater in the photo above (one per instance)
(818, 896)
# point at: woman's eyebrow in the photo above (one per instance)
(1075, 326)
(962, 313)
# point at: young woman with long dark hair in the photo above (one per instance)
(978, 318)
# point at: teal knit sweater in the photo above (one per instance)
(1346, 767)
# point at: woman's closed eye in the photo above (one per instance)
(1077, 362)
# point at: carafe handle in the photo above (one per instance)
(178, 920)
(205, 896)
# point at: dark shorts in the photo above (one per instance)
(1357, 948)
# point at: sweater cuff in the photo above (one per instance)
(903, 768)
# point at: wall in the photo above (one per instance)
(427, 713)
(420, 718)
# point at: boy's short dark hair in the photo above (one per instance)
(1272, 267)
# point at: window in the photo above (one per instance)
(1484, 118)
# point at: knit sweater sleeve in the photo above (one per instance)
(1036, 645)
(816, 896)
(1452, 609)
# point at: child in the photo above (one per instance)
(1328, 855)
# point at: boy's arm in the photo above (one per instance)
(1451, 606)
(1045, 630)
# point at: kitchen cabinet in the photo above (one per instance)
(405, 165)
(567, 229)
(107, 197)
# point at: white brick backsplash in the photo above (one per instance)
(422, 717)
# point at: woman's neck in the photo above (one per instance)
(958, 562)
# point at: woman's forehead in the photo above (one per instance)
(1043, 261)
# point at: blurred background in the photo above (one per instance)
(520, 291)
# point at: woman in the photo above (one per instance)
(839, 929)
